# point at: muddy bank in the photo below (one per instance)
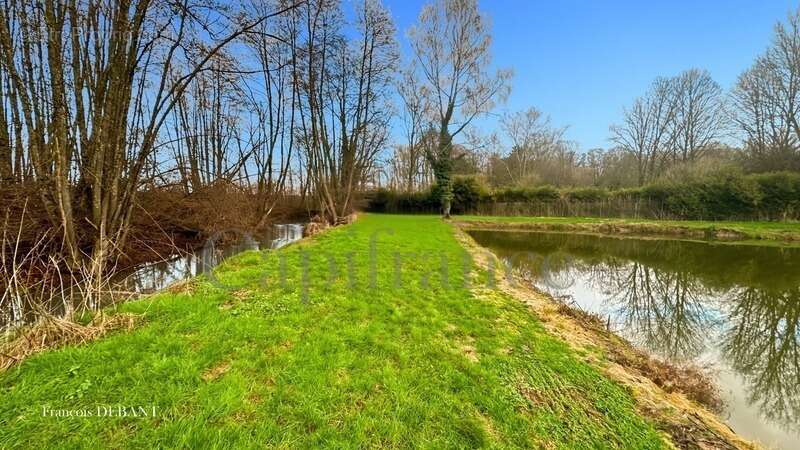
(659, 230)
(673, 398)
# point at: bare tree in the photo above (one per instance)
(700, 119)
(534, 144)
(647, 131)
(767, 100)
(451, 43)
(273, 99)
(409, 163)
(93, 84)
(344, 118)
(208, 144)
(6, 148)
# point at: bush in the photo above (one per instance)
(780, 193)
(468, 192)
(384, 200)
(545, 194)
(586, 194)
(729, 196)
(378, 200)
(722, 194)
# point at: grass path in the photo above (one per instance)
(362, 359)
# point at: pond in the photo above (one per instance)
(732, 308)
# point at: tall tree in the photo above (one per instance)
(451, 43)
(273, 99)
(647, 131)
(767, 101)
(409, 161)
(345, 106)
(534, 143)
(93, 83)
(700, 119)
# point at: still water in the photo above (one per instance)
(152, 277)
(732, 308)
(156, 276)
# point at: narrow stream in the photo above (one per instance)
(732, 308)
(157, 276)
(153, 277)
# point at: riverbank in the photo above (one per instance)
(780, 233)
(384, 333)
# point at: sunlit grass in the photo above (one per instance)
(251, 360)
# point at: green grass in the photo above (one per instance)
(409, 362)
(751, 230)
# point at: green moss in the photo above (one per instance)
(372, 361)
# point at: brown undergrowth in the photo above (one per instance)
(679, 401)
(53, 332)
(694, 382)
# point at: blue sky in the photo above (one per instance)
(582, 61)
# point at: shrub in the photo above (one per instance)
(586, 194)
(780, 193)
(544, 194)
(729, 196)
(378, 200)
(468, 192)
(720, 194)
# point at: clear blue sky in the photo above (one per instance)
(582, 61)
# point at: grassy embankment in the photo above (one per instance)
(406, 362)
(780, 233)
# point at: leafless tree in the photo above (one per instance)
(273, 97)
(700, 119)
(208, 143)
(345, 112)
(93, 84)
(534, 144)
(451, 43)
(647, 131)
(767, 100)
(409, 162)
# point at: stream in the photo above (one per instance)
(155, 276)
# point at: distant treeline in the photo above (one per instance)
(731, 196)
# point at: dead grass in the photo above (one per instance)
(183, 287)
(54, 332)
(691, 433)
(694, 382)
(470, 353)
(217, 371)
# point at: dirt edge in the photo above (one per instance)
(721, 234)
(686, 424)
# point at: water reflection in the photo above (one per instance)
(734, 306)
(157, 276)
(763, 345)
(666, 310)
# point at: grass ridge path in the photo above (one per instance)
(359, 357)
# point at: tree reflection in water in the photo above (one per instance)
(683, 300)
(763, 344)
(667, 311)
